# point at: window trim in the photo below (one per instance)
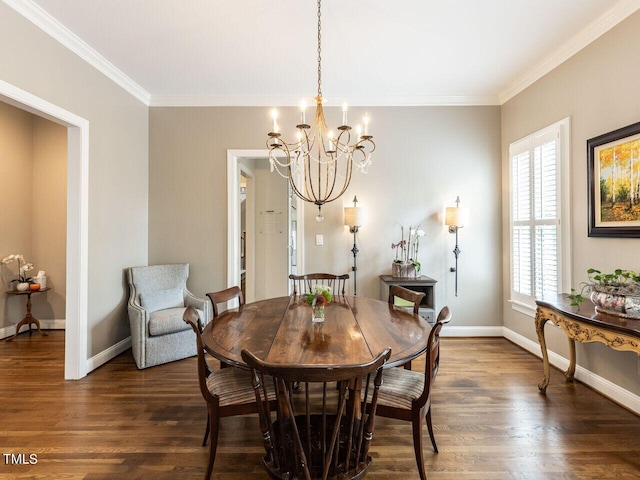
(526, 304)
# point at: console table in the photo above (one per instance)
(418, 284)
(28, 319)
(585, 325)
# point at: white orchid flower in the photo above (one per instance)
(26, 267)
(8, 259)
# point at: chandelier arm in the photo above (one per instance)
(349, 168)
(308, 179)
(343, 146)
(328, 170)
(295, 189)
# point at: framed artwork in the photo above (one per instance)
(613, 168)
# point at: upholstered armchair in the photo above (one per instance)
(158, 297)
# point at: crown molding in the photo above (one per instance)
(591, 32)
(605, 22)
(40, 18)
(288, 101)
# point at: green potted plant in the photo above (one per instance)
(616, 293)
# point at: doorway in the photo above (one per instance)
(270, 214)
(76, 364)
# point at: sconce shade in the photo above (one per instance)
(456, 217)
(354, 216)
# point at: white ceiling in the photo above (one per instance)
(375, 52)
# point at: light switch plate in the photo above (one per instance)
(319, 239)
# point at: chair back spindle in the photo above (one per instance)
(303, 284)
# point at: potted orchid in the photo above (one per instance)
(319, 296)
(23, 281)
(406, 263)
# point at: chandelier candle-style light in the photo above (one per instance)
(319, 163)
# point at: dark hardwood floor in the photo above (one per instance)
(121, 423)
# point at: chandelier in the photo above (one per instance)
(319, 163)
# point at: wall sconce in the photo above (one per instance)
(456, 218)
(354, 218)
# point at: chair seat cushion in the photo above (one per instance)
(400, 387)
(233, 386)
(168, 321)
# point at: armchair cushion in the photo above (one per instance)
(169, 320)
(155, 300)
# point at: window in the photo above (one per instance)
(539, 201)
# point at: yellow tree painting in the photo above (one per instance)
(618, 177)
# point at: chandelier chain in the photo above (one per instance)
(319, 53)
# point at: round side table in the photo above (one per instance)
(28, 319)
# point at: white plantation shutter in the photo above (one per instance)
(536, 233)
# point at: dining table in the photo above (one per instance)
(281, 331)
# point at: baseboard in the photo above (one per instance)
(108, 354)
(614, 392)
(51, 324)
(59, 324)
(462, 331)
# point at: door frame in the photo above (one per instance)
(75, 358)
(233, 213)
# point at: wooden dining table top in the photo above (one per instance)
(280, 330)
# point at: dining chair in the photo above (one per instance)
(318, 433)
(225, 295)
(409, 296)
(406, 394)
(228, 392)
(303, 283)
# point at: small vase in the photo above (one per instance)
(22, 287)
(317, 313)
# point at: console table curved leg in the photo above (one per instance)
(540, 322)
(572, 361)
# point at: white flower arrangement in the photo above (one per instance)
(23, 267)
(407, 250)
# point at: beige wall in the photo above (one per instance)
(49, 224)
(425, 156)
(118, 156)
(598, 90)
(33, 167)
(16, 184)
